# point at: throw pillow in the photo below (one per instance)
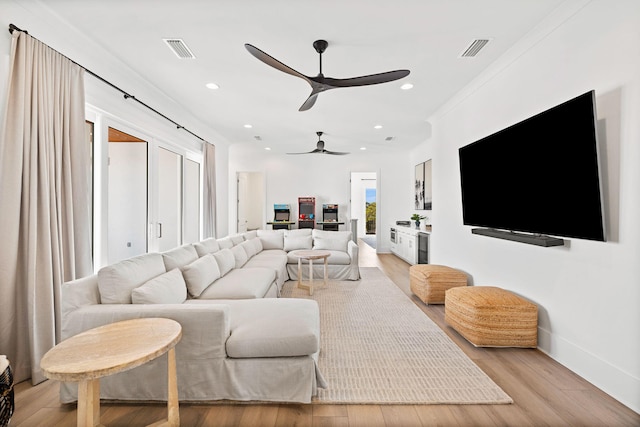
(179, 257)
(257, 244)
(271, 239)
(237, 239)
(248, 235)
(168, 288)
(240, 256)
(294, 243)
(116, 281)
(226, 261)
(324, 234)
(200, 274)
(249, 248)
(331, 244)
(207, 246)
(298, 232)
(225, 243)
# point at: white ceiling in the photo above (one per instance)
(365, 37)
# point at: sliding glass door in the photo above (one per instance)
(176, 198)
(191, 197)
(127, 196)
(149, 196)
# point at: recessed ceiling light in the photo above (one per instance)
(363, 148)
(406, 86)
(377, 127)
(212, 86)
(267, 148)
(248, 126)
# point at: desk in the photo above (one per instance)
(310, 255)
(109, 349)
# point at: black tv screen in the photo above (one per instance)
(538, 176)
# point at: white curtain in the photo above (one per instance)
(45, 223)
(209, 196)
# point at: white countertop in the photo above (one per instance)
(412, 229)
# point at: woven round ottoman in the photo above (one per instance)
(488, 316)
(429, 281)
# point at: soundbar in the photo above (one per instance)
(531, 239)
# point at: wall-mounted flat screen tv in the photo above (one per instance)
(538, 176)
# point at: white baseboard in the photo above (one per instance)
(617, 383)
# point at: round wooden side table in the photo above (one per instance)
(310, 255)
(109, 349)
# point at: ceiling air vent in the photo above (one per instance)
(389, 138)
(179, 47)
(474, 48)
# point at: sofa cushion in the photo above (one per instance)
(200, 274)
(167, 288)
(248, 235)
(283, 327)
(116, 281)
(292, 243)
(179, 257)
(298, 232)
(331, 244)
(249, 248)
(257, 244)
(271, 239)
(240, 256)
(323, 234)
(225, 243)
(226, 261)
(335, 258)
(244, 283)
(236, 239)
(207, 246)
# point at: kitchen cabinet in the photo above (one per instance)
(406, 243)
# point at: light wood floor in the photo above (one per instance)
(544, 393)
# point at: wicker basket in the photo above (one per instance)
(429, 282)
(488, 316)
(6, 396)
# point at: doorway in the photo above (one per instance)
(250, 213)
(365, 206)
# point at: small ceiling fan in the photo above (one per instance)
(320, 148)
(320, 83)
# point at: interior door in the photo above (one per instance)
(251, 201)
(169, 225)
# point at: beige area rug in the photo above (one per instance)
(377, 347)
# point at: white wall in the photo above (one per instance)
(587, 292)
(327, 179)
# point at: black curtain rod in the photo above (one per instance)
(13, 28)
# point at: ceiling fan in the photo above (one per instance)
(320, 83)
(320, 148)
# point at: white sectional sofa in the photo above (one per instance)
(239, 340)
(342, 263)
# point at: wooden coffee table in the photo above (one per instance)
(109, 349)
(310, 255)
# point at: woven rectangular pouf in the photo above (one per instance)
(429, 282)
(488, 316)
